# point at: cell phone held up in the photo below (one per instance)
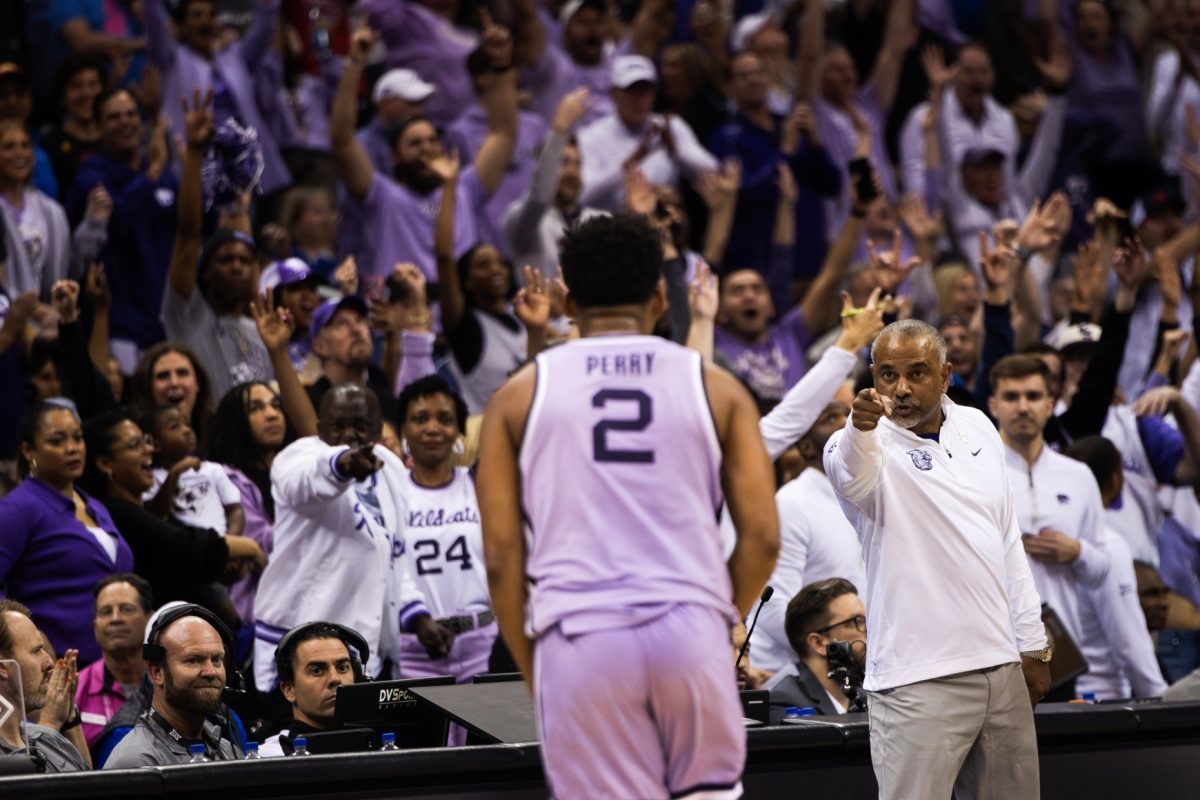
(864, 180)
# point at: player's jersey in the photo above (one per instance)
(444, 545)
(621, 486)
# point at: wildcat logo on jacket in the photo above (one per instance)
(921, 459)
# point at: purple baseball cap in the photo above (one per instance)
(326, 310)
(286, 273)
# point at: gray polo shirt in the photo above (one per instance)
(227, 346)
(149, 744)
(57, 751)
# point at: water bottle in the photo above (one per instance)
(1089, 697)
(794, 714)
(251, 751)
(387, 741)
(198, 756)
(300, 746)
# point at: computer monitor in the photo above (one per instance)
(387, 706)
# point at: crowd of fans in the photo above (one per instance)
(244, 242)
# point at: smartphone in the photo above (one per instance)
(864, 180)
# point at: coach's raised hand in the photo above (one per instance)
(868, 408)
(360, 462)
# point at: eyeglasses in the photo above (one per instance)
(145, 440)
(859, 622)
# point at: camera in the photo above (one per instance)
(846, 670)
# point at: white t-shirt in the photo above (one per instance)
(200, 496)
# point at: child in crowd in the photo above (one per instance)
(195, 492)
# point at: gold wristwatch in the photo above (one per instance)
(1042, 655)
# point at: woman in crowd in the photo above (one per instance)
(170, 375)
(180, 562)
(446, 559)
(56, 541)
(310, 217)
(249, 429)
(38, 238)
(79, 81)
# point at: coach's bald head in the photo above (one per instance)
(350, 415)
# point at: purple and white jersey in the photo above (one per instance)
(444, 545)
(621, 485)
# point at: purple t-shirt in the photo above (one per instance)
(422, 41)
(836, 130)
(775, 365)
(467, 134)
(400, 222)
(50, 562)
(557, 73)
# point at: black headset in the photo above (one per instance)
(360, 651)
(154, 653)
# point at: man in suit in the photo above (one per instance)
(822, 612)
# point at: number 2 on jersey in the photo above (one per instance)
(428, 550)
(645, 415)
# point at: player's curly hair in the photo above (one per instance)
(611, 261)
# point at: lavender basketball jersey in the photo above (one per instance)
(621, 485)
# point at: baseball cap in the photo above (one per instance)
(285, 273)
(572, 8)
(978, 156)
(326, 310)
(1077, 334)
(221, 238)
(747, 27)
(628, 70)
(402, 83)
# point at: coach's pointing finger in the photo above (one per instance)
(868, 408)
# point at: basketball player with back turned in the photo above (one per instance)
(615, 452)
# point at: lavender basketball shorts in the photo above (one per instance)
(648, 712)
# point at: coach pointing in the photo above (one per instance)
(957, 653)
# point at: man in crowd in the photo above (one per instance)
(338, 511)
(664, 148)
(341, 339)
(1056, 501)
(122, 605)
(398, 94)
(313, 660)
(822, 612)
(140, 235)
(186, 654)
(44, 685)
(816, 541)
(962, 657)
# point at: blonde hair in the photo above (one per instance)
(945, 279)
(295, 201)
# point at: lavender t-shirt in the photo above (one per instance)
(399, 222)
(775, 365)
(467, 134)
(836, 129)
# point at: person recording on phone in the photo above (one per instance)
(954, 671)
(821, 614)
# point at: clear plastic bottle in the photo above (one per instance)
(387, 741)
(251, 751)
(198, 756)
(300, 746)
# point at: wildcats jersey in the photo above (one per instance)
(621, 485)
(444, 545)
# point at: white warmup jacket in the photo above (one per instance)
(1061, 493)
(1118, 647)
(816, 542)
(948, 585)
(335, 540)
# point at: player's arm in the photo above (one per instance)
(749, 485)
(498, 487)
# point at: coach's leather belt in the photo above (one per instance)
(467, 622)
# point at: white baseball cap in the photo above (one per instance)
(569, 9)
(628, 70)
(747, 26)
(1079, 333)
(402, 83)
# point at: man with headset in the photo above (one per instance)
(187, 655)
(313, 660)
